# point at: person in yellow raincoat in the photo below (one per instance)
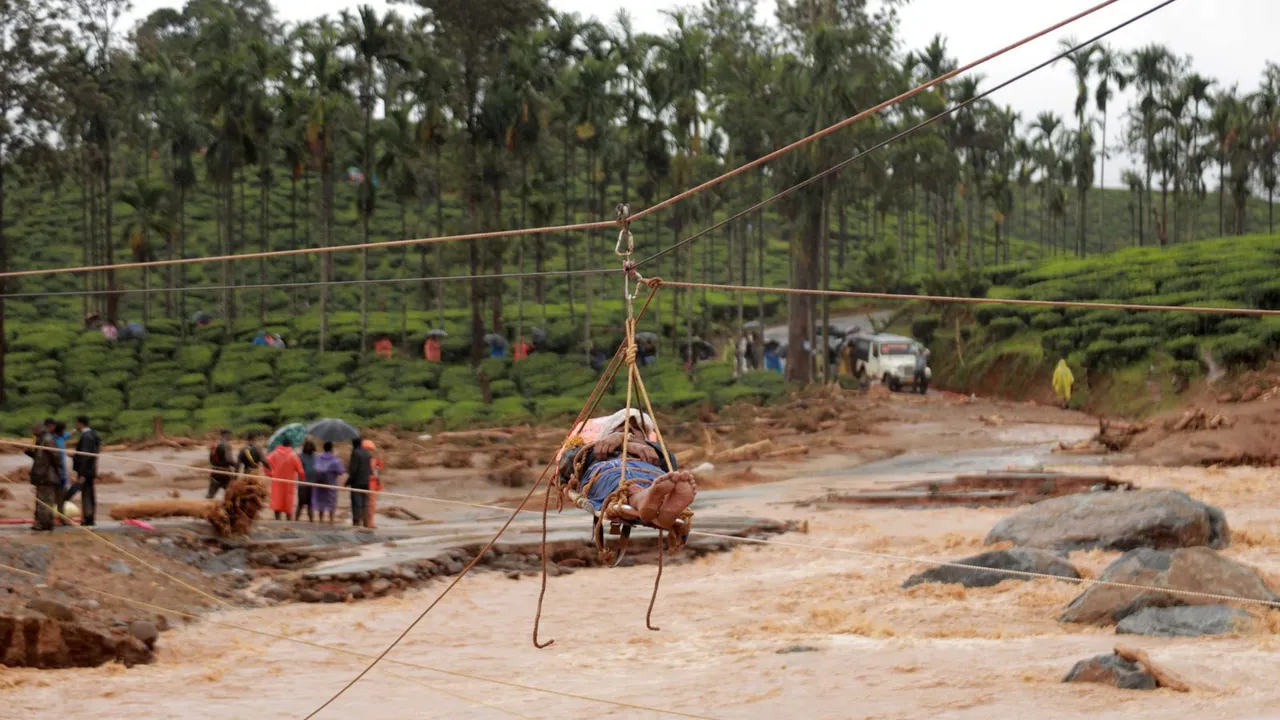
(1062, 382)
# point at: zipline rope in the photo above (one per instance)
(978, 301)
(871, 111)
(597, 225)
(355, 653)
(311, 283)
(905, 133)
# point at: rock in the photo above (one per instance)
(1187, 621)
(355, 591)
(331, 597)
(797, 649)
(407, 574)
(513, 574)
(1020, 559)
(119, 567)
(263, 558)
(89, 604)
(36, 558)
(1112, 670)
(1196, 569)
(146, 631)
(1159, 519)
(52, 609)
(380, 586)
(276, 591)
(162, 623)
(454, 568)
(307, 595)
(40, 642)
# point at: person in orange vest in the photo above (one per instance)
(522, 350)
(431, 349)
(375, 483)
(383, 347)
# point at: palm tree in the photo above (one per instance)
(149, 201)
(185, 135)
(377, 41)
(1046, 129)
(431, 87)
(1151, 69)
(1082, 67)
(1267, 102)
(1109, 69)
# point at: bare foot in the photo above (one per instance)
(684, 489)
(648, 501)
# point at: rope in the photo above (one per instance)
(309, 251)
(102, 538)
(355, 653)
(870, 111)
(1002, 571)
(969, 300)
(760, 541)
(905, 133)
(312, 283)
(514, 513)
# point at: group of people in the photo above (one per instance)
(303, 480)
(266, 339)
(50, 476)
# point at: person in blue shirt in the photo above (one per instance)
(261, 339)
(58, 430)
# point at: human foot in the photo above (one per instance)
(684, 489)
(648, 501)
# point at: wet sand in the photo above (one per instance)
(759, 632)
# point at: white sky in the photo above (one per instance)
(1230, 40)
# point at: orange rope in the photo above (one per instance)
(978, 301)
(309, 251)
(871, 111)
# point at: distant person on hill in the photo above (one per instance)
(521, 351)
(251, 459)
(306, 493)
(285, 469)
(110, 332)
(383, 347)
(261, 339)
(328, 468)
(86, 469)
(431, 350)
(1062, 382)
(360, 472)
(223, 463)
(44, 477)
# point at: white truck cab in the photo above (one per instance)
(890, 359)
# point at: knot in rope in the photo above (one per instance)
(652, 283)
(626, 244)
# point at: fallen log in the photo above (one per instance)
(743, 453)
(1165, 677)
(789, 451)
(153, 509)
(398, 513)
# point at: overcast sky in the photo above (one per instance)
(1230, 40)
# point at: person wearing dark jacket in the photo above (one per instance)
(85, 467)
(359, 471)
(45, 477)
(222, 463)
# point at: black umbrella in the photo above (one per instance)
(202, 317)
(333, 430)
(539, 336)
(437, 334)
(495, 339)
(647, 337)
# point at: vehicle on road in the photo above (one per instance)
(889, 359)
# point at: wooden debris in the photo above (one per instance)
(789, 451)
(1115, 435)
(152, 509)
(991, 420)
(475, 435)
(1197, 419)
(457, 459)
(1165, 677)
(743, 453)
(398, 513)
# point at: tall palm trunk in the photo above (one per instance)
(113, 298)
(326, 233)
(366, 208)
(264, 231)
(4, 268)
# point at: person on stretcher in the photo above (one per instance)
(657, 492)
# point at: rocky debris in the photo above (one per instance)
(119, 567)
(1116, 436)
(146, 632)
(41, 642)
(1187, 621)
(1159, 519)
(797, 649)
(263, 558)
(1165, 677)
(1197, 419)
(52, 609)
(276, 590)
(1196, 569)
(1112, 670)
(1019, 559)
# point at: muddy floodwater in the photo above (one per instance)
(758, 632)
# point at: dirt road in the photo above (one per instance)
(759, 632)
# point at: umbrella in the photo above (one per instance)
(437, 334)
(539, 336)
(647, 337)
(495, 339)
(296, 432)
(333, 430)
(202, 317)
(133, 331)
(753, 325)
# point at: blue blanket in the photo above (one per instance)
(607, 477)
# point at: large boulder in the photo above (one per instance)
(1112, 670)
(1160, 519)
(1196, 569)
(42, 642)
(1187, 621)
(1019, 559)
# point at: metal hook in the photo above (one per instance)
(624, 231)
